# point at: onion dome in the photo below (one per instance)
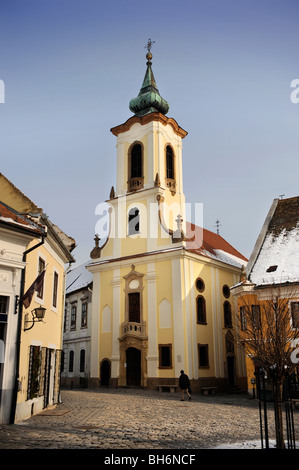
(149, 99)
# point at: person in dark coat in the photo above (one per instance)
(184, 384)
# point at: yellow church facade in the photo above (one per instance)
(161, 298)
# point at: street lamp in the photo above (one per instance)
(38, 315)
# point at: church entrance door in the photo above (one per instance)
(105, 373)
(133, 367)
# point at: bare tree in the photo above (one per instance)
(267, 332)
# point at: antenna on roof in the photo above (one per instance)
(218, 224)
(281, 196)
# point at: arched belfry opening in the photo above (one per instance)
(135, 167)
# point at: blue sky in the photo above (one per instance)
(70, 68)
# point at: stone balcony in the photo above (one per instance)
(135, 183)
(133, 329)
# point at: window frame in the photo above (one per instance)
(202, 321)
(167, 346)
(135, 182)
(41, 266)
(55, 289)
(205, 347)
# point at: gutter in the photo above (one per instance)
(19, 330)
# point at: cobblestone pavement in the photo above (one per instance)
(139, 419)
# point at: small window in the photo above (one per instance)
(165, 356)
(227, 315)
(84, 315)
(73, 317)
(82, 360)
(271, 269)
(256, 316)
(41, 268)
(71, 361)
(134, 221)
(203, 355)
(55, 289)
(3, 309)
(201, 309)
(295, 314)
(226, 291)
(243, 320)
(200, 285)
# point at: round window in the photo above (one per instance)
(200, 285)
(226, 291)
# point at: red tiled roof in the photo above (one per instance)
(205, 243)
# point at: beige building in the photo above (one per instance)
(161, 298)
(34, 308)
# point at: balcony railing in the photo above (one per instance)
(135, 183)
(133, 329)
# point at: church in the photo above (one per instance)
(161, 285)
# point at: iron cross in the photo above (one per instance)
(149, 44)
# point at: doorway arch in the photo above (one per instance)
(105, 372)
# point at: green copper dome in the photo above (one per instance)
(149, 99)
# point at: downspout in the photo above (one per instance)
(19, 330)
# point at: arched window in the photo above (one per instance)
(227, 315)
(135, 169)
(201, 309)
(82, 360)
(71, 361)
(133, 221)
(169, 163)
(136, 161)
(170, 171)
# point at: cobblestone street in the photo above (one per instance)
(139, 419)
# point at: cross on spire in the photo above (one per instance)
(149, 45)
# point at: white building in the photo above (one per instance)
(77, 325)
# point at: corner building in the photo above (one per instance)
(161, 299)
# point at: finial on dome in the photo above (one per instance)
(149, 99)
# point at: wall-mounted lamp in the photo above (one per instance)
(38, 314)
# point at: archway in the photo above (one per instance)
(133, 360)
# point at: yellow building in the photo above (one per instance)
(272, 277)
(161, 298)
(35, 343)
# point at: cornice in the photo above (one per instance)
(143, 120)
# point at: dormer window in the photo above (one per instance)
(170, 173)
(135, 170)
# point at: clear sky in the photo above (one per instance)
(70, 68)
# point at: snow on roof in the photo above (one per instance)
(78, 278)
(276, 260)
(212, 245)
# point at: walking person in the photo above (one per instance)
(184, 384)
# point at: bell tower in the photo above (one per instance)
(148, 200)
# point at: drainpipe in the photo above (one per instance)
(19, 330)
